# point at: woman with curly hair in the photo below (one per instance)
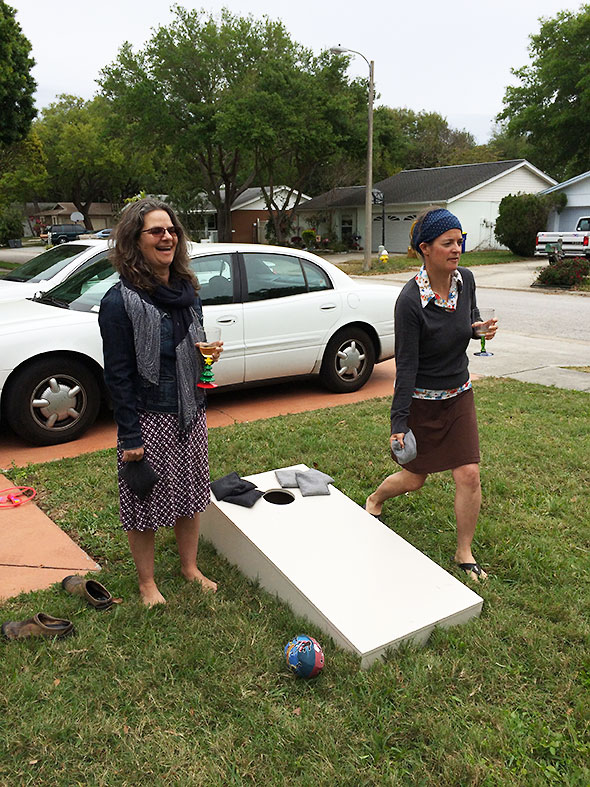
(150, 322)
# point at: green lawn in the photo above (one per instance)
(398, 263)
(196, 693)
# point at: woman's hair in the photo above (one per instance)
(431, 223)
(126, 256)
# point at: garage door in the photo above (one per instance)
(397, 231)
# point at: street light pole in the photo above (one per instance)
(369, 179)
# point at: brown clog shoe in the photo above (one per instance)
(88, 589)
(40, 625)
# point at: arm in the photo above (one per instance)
(120, 372)
(407, 349)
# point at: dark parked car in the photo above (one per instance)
(62, 233)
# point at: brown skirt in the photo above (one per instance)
(446, 433)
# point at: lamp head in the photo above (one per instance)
(338, 50)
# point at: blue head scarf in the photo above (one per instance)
(434, 223)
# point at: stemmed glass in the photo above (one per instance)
(207, 348)
(486, 315)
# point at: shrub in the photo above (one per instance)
(521, 217)
(11, 225)
(308, 237)
(564, 273)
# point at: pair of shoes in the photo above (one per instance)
(472, 567)
(90, 590)
(40, 625)
(377, 516)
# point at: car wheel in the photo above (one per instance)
(63, 239)
(52, 401)
(348, 360)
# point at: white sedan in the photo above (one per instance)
(282, 313)
(50, 268)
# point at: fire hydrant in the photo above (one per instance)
(383, 254)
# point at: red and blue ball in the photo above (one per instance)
(304, 656)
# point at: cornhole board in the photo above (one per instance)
(339, 567)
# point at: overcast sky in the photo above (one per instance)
(451, 57)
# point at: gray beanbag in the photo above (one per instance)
(313, 482)
(408, 452)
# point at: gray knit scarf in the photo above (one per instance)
(146, 320)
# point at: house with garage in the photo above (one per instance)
(577, 191)
(472, 191)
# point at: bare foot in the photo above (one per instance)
(196, 576)
(150, 595)
(371, 508)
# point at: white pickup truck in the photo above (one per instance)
(566, 244)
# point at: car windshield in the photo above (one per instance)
(45, 265)
(83, 290)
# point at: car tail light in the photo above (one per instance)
(585, 241)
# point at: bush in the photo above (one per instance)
(564, 273)
(308, 237)
(521, 217)
(11, 225)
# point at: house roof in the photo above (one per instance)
(255, 193)
(434, 184)
(566, 183)
(67, 208)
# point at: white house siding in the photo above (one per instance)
(578, 204)
(521, 181)
(478, 220)
(479, 209)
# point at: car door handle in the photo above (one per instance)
(327, 306)
(226, 320)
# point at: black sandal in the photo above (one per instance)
(474, 568)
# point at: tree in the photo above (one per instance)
(17, 86)
(85, 163)
(404, 139)
(23, 171)
(521, 217)
(550, 106)
(235, 100)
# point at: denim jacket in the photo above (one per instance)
(130, 393)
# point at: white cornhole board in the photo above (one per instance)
(340, 567)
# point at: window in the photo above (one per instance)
(215, 275)
(346, 227)
(316, 278)
(273, 276)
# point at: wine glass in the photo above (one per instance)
(207, 349)
(486, 315)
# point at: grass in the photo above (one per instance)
(578, 368)
(197, 693)
(398, 263)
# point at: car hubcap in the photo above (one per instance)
(350, 360)
(58, 404)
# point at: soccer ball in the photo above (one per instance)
(304, 656)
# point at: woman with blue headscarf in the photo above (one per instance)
(435, 318)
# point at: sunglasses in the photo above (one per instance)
(159, 232)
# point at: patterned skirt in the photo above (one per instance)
(181, 463)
